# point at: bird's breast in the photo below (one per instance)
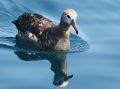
(62, 44)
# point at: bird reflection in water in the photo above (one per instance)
(58, 64)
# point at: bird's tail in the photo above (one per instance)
(14, 22)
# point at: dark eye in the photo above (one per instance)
(68, 16)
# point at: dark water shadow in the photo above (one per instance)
(58, 64)
(57, 59)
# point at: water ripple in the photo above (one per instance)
(77, 44)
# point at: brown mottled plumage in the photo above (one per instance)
(33, 23)
(43, 33)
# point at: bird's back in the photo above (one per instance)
(34, 23)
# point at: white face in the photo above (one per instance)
(69, 15)
(67, 19)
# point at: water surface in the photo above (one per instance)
(94, 68)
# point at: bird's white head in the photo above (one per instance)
(69, 17)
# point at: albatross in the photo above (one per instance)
(43, 33)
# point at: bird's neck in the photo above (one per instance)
(64, 29)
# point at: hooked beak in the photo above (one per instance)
(63, 81)
(68, 77)
(73, 23)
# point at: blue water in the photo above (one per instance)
(94, 57)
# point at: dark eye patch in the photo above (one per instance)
(68, 16)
